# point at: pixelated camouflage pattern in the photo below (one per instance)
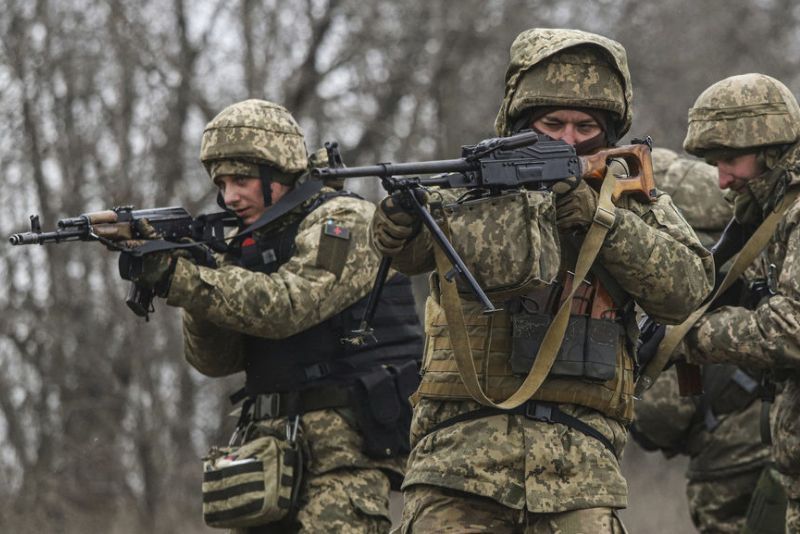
(656, 257)
(343, 490)
(299, 295)
(720, 506)
(518, 252)
(432, 509)
(257, 131)
(741, 112)
(662, 417)
(220, 304)
(793, 517)
(725, 463)
(767, 337)
(693, 186)
(732, 448)
(596, 76)
(232, 167)
(518, 462)
(786, 434)
(673, 271)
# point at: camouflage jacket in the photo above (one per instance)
(767, 337)
(545, 468)
(664, 419)
(220, 304)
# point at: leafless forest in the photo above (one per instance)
(102, 103)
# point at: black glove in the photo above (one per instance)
(393, 224)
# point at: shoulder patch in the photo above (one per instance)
(335, 230)
(334, 245)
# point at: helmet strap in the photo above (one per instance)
(264, 173)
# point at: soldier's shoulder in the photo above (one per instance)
(343, 205)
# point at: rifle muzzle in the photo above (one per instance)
(24, 239)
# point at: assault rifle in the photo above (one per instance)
(179, 230)
(526, 160)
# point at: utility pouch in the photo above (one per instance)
(254, 484)
(766, 513)
(588, 350)
(382, 409)
(728, 389)
(602, 345)
(508, 242)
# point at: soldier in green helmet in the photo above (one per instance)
(720, 430)
(551, 464)
(280, 306)
(749, 127)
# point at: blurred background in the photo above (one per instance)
(102, 103)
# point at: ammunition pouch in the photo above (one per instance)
(382, 408)
(728, 388)
(589, 349)
(253, 484)
(766, 513)
(509, 242)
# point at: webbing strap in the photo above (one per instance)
(746, 256)
(548, 350)
(538, 411)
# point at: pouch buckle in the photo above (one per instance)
(267, 406)
(605, 217)
(539, 412)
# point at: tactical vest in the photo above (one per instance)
(323, 355)
(594, 367)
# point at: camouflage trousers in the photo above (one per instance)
(720, 505)
(793, 517)
(430, 509)
(343, 500)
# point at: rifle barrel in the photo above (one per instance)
(383, 170)
(40, 238)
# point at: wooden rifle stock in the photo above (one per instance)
(639, 182)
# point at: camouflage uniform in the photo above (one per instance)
(723, 441)
(344, 490)
(509, 473)
(756, 113)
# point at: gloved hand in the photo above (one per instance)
(151, 271)
(144, 232)
(393, 226)
(576, 204)
(156, 270)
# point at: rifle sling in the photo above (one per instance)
(546, 355)
(287, 203)
(757, 242)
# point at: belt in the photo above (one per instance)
(537, 411)
(274, 405)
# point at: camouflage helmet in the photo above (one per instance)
(252, 133)
(566, 68)
(742, 112)
(693, 186)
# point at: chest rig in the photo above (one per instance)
(593, 368)
(321, 355)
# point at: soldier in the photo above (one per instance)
(550, 465)
(279, 306)
(749, 127)
(720, 431)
